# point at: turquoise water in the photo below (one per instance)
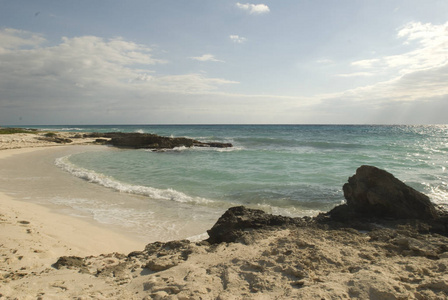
(291, 170)
(292, 167)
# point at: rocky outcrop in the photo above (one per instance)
(152, 141)
(160, 256)
(375, 195)
(373, 192)
(56, 139)
(233, 224)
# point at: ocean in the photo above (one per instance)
(291, 170)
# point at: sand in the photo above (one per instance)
(34, 140)
(311, 262)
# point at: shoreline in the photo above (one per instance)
(32, 176)
(39, 139)
(48, 255)
(51, 219)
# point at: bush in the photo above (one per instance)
(50, 134)
(5, 130)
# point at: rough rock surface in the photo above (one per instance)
(289, 261)
(152, 141)
(233, 224)
(373, 192)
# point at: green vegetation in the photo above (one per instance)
(6, 130)
(50, 134)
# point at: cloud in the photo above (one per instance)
(237, 39)
(419, 73)
(13, 39)
(366, 63)
(254, 9)
(429, 51)
(89, 63)
(324, 61)
(356, 74)
(182, 84)
(83, 74)
(206, 57)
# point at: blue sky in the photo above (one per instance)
(202, 61)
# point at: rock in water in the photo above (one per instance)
(153, 141)
(374, 192)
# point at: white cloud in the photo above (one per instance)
(420, 73)
(187, 84)
(366, 63)
(90, 63)
(255, 9)
(81, 75)
(356, 74)
(431, 50)
(13, 39)
(206, 57)
(324, 61)
(237, 39)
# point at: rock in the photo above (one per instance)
(161, 264)
(55, 139)
(69, 262)
(160, 256)
(101, 141)
(139, 140)
(232, 224)
(151, 141)
(214, 145)
(373, 192)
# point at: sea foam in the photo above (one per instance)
(109, 182)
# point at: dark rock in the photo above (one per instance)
(233, 223)
(95, 135)
(152, 141)
(373, 192)
(55, 139)
(101, 141)
(69, 262)
(214, 144)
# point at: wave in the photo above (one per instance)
(439, 195)
(276, 142)
(63, 129)
(183, 148)
(109, 182)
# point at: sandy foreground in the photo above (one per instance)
(290, 262)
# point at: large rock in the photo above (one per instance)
(153, 141)
(376, 193)
(236, 220)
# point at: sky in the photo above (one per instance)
(223, 62)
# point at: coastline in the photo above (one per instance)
(283, 262)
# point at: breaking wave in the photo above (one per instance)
(109, 182)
